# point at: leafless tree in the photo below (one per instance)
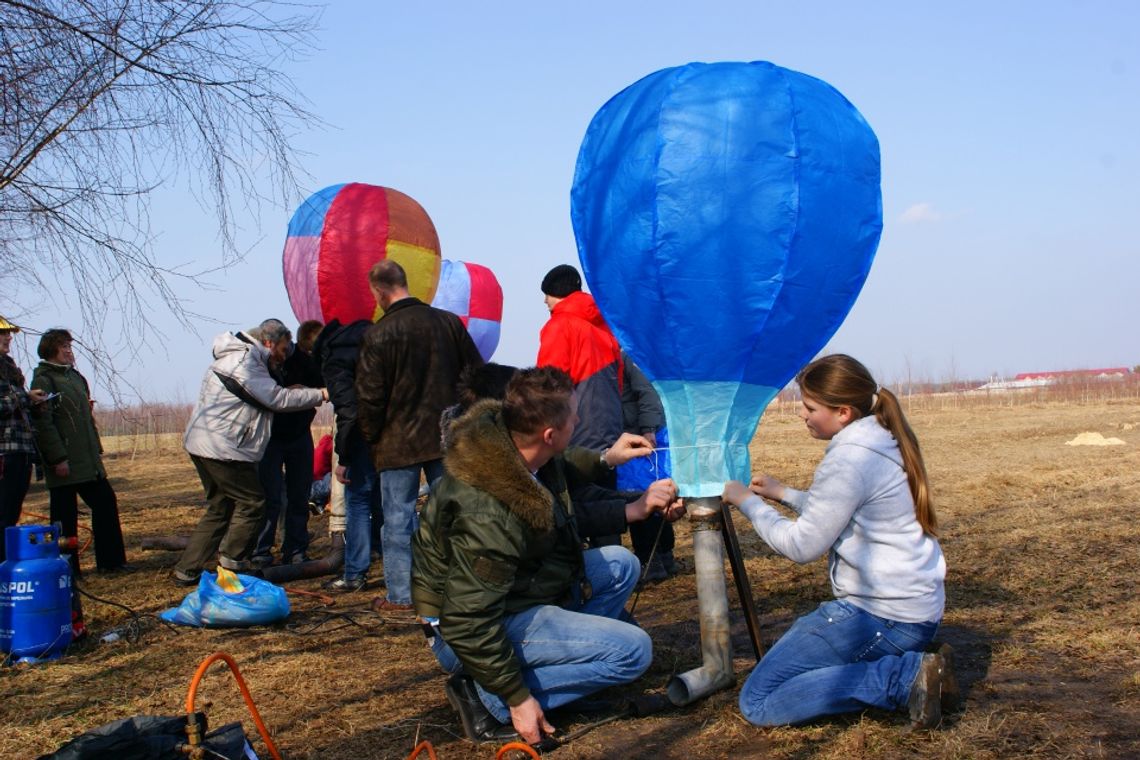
(103, 101)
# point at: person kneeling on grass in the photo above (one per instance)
(524, 619)
(868, 504)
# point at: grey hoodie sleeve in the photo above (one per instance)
(259, 384)
(825, 510)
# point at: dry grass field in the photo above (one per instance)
(1040, 539)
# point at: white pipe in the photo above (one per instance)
(338, 522)
(715, 672)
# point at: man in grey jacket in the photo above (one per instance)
(226, 438)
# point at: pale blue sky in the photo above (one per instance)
(1010, 137)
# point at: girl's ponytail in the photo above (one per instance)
(838, 380)
(890, 415)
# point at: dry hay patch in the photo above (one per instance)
(1039, 539)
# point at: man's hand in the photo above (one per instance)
(62, 469)
(661, 496)
(529, 721)
(37, 395)
(628, 446)
(341, 474)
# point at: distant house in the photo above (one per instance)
(1111, 373)
(1029, 380)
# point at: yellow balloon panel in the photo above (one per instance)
(420, 264)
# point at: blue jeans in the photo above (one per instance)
(836, 659)
(570, 652)
(399, 488)
(320, 492)
(361, 508)
(288, 494)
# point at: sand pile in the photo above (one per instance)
(1094, 439)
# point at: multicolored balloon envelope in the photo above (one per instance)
(726, 216)
(336, 236)
(473, 293)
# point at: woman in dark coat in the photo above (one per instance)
(72, 453)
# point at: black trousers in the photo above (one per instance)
(15, 476)
(643, 534)
(104, 505)
(232, 519)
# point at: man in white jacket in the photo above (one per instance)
(226, 438)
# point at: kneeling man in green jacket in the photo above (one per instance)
(521, 615)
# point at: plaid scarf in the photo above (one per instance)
(16, 433)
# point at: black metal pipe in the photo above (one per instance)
(326, 565)
(170, 543)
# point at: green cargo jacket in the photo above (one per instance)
(65, 428)
(493, 541)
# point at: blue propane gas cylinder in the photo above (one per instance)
(35, 594)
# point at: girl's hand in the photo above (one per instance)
(734, 493)
(768, 487)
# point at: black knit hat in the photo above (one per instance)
(561, 281)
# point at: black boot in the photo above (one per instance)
(478, 722)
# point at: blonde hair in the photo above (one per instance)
(838, 380)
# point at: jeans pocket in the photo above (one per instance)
(879, 645)
(894, 638)
(838, 611)
(912, 637)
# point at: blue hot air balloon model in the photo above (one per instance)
(726, 216)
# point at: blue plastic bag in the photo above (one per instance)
(210, 606)
(637, 474)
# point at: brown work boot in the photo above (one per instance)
(925, 702)
(384, 607)
(951, 695)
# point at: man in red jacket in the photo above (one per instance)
(578, 341)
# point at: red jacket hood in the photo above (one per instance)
(580, 304)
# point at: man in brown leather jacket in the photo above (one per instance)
(407, 374)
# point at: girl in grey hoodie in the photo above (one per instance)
(869, 509)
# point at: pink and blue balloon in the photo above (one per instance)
(473, 293)
(335, 237)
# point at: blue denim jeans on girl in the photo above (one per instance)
(836, 659)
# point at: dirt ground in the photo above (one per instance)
(1040, 540)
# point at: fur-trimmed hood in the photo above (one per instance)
(483, 455)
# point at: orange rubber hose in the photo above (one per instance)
(244, 694)
(425, 744)
(510, 746)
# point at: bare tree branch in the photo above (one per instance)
(104, 101)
